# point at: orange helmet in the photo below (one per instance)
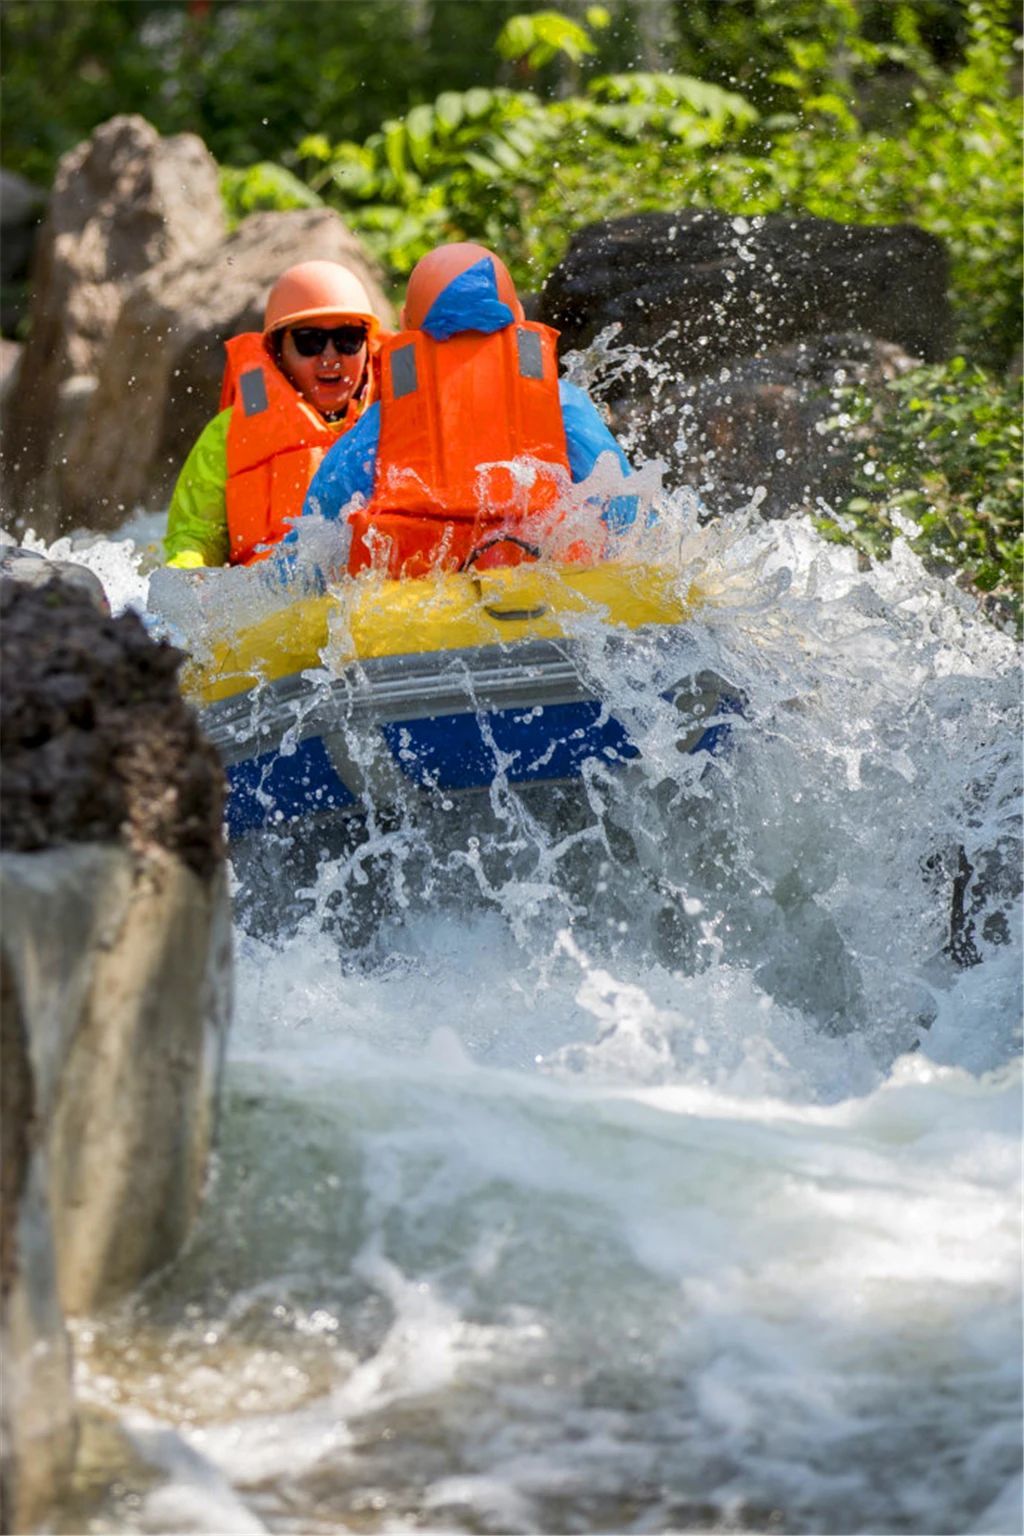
(318, 290)
(433, 272)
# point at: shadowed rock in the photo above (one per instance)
(115, 968)
(731, 287)
(96, 740)
(732, 337)
(21, 212)
(760, 425)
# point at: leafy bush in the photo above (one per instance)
(485, 164)
(260, 186)
(510, 169)
(942, 465)
(953, 166)
(544, 36)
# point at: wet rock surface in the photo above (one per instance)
(96, 740)
(40, 1425)
(115, 986)
(33, 570)
(118, 969)
(728, 287)
(722, 346)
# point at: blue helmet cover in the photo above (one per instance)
(468, 303)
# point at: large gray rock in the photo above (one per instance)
(38, 1424)
(10, 357)
(163, 364)
(118, 971)
(115, 975)
(727, 287)
(122, 202)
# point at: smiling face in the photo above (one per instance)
(328, 380)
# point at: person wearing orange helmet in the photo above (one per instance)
(468, 456)
(288, 392)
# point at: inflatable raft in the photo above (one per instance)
(381, 688)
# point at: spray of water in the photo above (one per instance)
(636, 1155)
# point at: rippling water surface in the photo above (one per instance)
(644, 1159)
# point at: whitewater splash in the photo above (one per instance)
(641, 1159)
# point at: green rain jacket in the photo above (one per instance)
(197, 522)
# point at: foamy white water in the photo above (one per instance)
(643, 1161)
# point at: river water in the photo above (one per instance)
(641, 1160)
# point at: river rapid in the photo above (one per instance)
(645, 1159)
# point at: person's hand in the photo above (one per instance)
(187, 560)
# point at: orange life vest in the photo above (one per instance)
(275, 442)
(454, 414)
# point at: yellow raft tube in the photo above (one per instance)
(370, 617)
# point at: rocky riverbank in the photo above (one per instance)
(116, 986)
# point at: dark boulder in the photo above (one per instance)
(729, 287)
(97, 743)
(758, 427)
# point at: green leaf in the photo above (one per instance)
(477, 101)
(419, 128)
(264, 186)
(486, 167)
(394, 148)
(449, 110)
(516, 37)
(501, 150)
(316, 146)
(541, 36)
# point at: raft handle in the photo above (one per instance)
(500, 538)
(516, 613)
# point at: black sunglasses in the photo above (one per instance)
(310, 340)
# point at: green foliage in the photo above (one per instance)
(484, 164)
(542, 37)
(67, 68)
(251, 77)
(942, 466)
(954, 167)
(263, 186)
(511, 168)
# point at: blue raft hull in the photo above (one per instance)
(452, 723)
